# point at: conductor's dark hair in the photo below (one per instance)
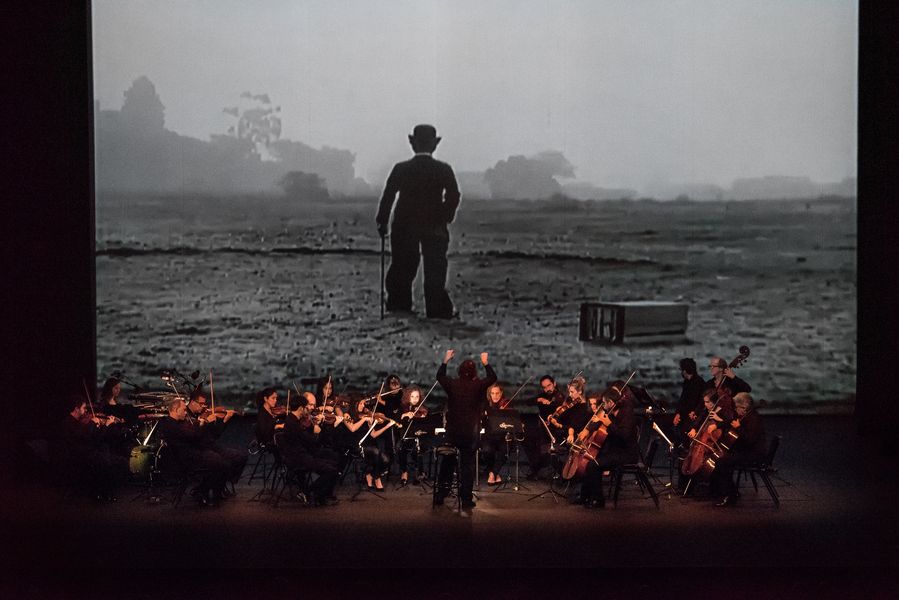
(688, 365)
(468, 370)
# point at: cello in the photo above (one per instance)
(704, 448)
(587, 445)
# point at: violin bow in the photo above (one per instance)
(87, 394)
(418, 408)
(211, 392)
(521, 387)
(374, 422)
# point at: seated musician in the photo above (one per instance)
(301, 451)
(211, 426)
(537, 443)
(575, 418)
(750, 447)
(409, 408)
(689, 404)
(370, 435)
(190, 451)
(83, 455)
(493, 443)
(619, 448)
(109, 401)
(716, 416)
(266, 419)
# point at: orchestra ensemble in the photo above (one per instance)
(323, 439)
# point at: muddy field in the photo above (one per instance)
(264, 291)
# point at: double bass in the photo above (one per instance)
(587, 445)
(705, 449)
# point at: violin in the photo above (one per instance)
(218, 411)
(101, 419)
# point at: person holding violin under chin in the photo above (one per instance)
(211, 424)
(302, 451)
(83, 455)
(268, 417)
(368, 428)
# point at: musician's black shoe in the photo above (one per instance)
(727, 501)
(578, 500)
(199, 497)
(532, 476)
(438, 497)
(469, 504)
(404, 482)
(595, 504)
(227, 493)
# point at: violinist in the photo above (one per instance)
(109, 402)
(83, 454)
(118, 431)
(409, 408)
(536, 443)
(619, 447)
(392, 396)
(724, 376)
(301, 450)
(749, 446)
(493, 444)
(211, 424)
(373, 445)
(192, 452)
(268, 415)
(465, 396)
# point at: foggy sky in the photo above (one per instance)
(633, 93)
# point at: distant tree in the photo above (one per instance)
(303, 186)
(142, 110)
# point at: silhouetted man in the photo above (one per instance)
(428, 199)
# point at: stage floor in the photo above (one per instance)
(838, 514)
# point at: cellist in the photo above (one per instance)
(750, 447)
(619, 448)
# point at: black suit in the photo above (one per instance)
(465, 399)
(428, 199)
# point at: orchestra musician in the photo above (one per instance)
(267, 417)
(373, 445)
(409, 408)
(619, 448)
(536, 444)
(576, 417)
(493, 444)
(301, 451)
(724, 376)
(749, 447)
(211, 424)
(715, 421)
(190, 450)
(464, 406)
(689, 404)
(83, 455)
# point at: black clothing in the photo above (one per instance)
(302, 452)
(493, 444)
(750, 447)
(428, 199)
(209, 433)
(190, 452)
(556, 399)
(83, 458)
(690, 398)
(465, 399)
(576, 418)
(735, 385)
(619, 448)
(265, 427)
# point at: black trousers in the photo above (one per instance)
(408, 245)
(467, 449)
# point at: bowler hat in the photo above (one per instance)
(424, 133)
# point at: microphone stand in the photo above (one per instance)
(555, 477)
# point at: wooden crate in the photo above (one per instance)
(633, 321)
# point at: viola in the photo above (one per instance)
(560, 410)
(220, 412)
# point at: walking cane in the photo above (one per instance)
(382, 277)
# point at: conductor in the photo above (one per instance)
(465, 399)
(428, 199)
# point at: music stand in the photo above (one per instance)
(554, 464)
(508, 423)
(421, 432)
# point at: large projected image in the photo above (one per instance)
(690, 153)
